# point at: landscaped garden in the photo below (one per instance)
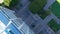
(9, 3)
(37, 7)
(55, 8)
(53, 25)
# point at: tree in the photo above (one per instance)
(37, 5)
(9, 3)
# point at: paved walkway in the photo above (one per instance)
(28, 17)
(49, 3)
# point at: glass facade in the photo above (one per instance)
(4, 27)
(12, 24)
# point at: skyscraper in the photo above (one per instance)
(10, 24)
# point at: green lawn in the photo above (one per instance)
(55, 8)
(53, 25)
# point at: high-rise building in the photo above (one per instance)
(10, 24)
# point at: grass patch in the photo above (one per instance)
(53, 25)
(55, 8)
